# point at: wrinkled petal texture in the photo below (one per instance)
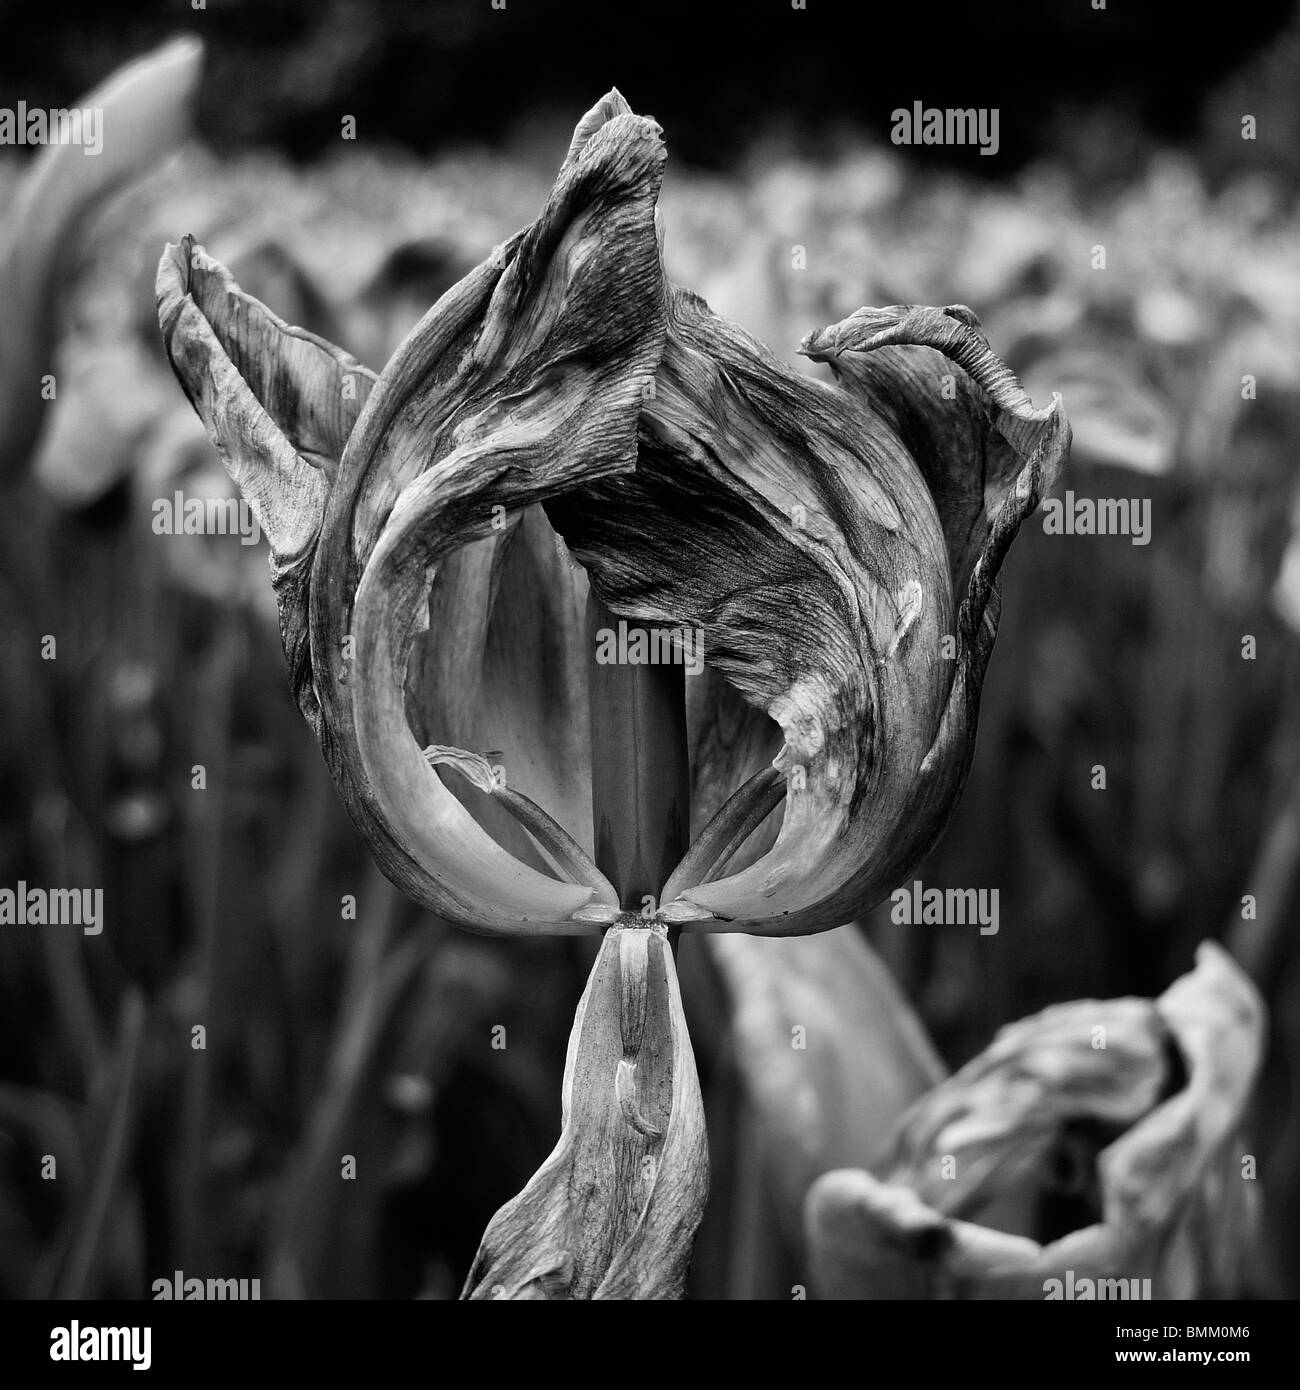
(524, 379)
(825, 540)
(772, 514)
(279, 404)
(612, 1213)
(836, 544)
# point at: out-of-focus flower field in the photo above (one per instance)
(1179, 364)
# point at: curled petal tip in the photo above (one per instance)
(474, 767)
(684, 910)
(599, 913)
(610, 107)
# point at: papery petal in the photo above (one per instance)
(882, 744)
(730, 742)
(524, 380)
(504, 665)
(612, 1213)
(988, 456)
(1173, 1206)
(792, 528)
(279, 404)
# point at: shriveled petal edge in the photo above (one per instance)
(729, 420)
(285, 489)
(393, 515)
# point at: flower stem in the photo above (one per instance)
(640, 778)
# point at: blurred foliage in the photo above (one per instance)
(373, 1037)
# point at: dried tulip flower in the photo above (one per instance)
(835, 546)
(1095, 1142)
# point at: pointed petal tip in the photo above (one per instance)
(175, 261)
(609, 108)
(474, 767)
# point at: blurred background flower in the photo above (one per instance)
(1096, 1140)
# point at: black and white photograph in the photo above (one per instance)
(649, 652)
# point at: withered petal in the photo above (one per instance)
(987, 455)
(524, 380)
(612, 1213)
(931, 400)
(792, 528)
(278, 403)
(504, 664)
(1103, 1062)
